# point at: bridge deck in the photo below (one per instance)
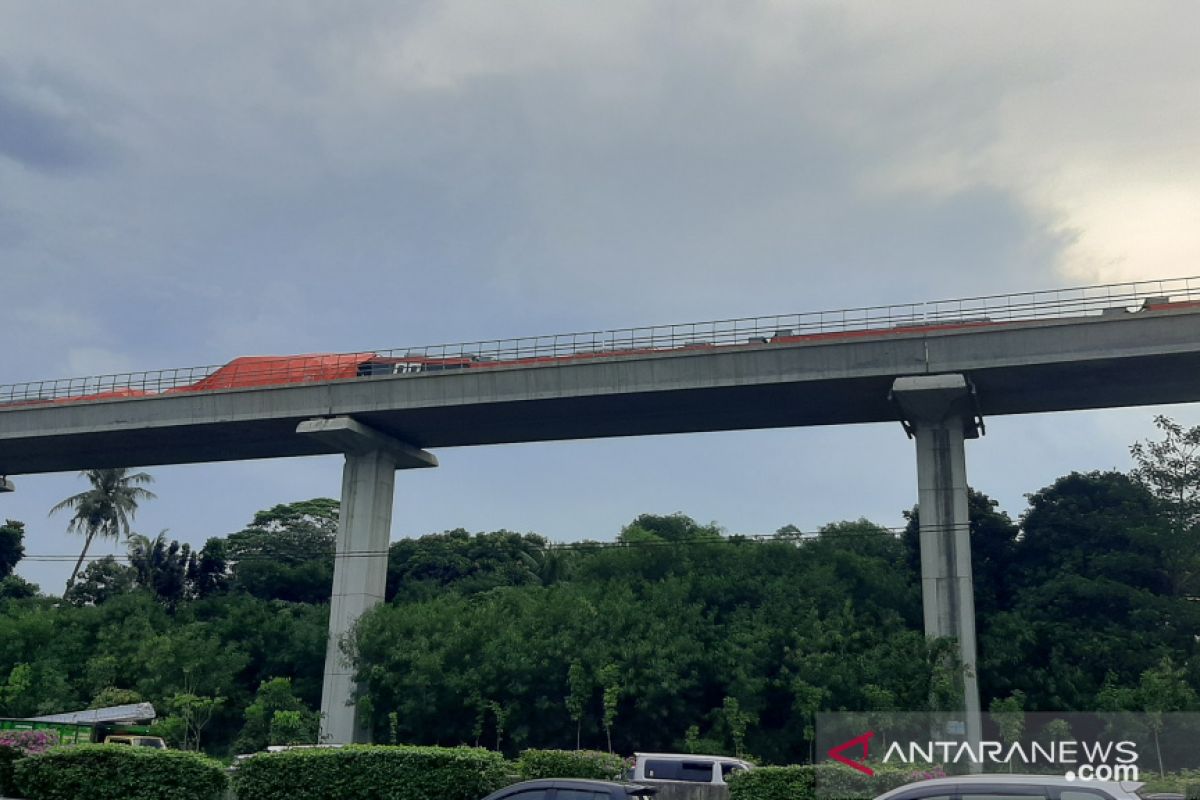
(1054, 365)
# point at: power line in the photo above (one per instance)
(797, 537)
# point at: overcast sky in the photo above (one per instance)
(182, 185)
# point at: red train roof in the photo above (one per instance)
(249, 371)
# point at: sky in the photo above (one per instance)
(181, 185)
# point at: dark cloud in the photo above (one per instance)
(45, 129)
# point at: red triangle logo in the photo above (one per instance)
(865, 740)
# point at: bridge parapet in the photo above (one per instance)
(557, 349)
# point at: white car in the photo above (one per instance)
(685, 768)
(1013, 787)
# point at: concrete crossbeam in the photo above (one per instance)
(360, 559)
(351, 437)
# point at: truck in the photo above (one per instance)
(127, 725)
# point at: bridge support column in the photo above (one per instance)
(939, 412)
(6, 485)
(360, 560)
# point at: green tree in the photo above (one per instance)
(736, 721)
(194, 713)
(12, 550)
(611, 687)
(469, 563)
(106, 509)
(160, 567)
(882, 711)
(1170, 470)
(208, 572)
(1088, 595)
(581, 690)
(14, 587)
(12, 547)
(99, 582)
(113, 696)
(1008, 714)
(286, 552)
(668, 528)
(501, 714)
(1164, 688)
(274, 696)
(292, 727)
(993, 545)
(14, 694)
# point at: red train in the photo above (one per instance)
(257, 371)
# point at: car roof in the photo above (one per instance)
(692, 757)
(1009, 778)
(575, 783)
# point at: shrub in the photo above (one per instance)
(593, 764)
(29, 743)
(836, 781)
(823, 782)
(8, 759)
(378, 772)
(112, 772)
(772, 783)
(15, 745)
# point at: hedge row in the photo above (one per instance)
(380, 773)
(822, 782)
(109, 772)
(773, 783)
(595, 764)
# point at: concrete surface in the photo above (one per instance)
(360, 558)
(1017, 368)
(939, 412)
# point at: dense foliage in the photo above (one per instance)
(8, 759)
(105, 772)
(594, 764)
(15, 745)
(773, 783)
(825, 781)
(392, 773)
(678, 636)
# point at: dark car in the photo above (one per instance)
(573, 789)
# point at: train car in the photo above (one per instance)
(252, 371)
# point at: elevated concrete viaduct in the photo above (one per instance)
(938, 382)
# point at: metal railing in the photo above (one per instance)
(1114, 299)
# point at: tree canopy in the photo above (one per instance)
(673, 636)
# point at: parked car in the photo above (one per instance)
(572, 789)
(1013, 787)
(685, 768)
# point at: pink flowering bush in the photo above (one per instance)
(30, 743)
(15, 745)
(926, 774)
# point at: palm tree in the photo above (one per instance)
(106, 508)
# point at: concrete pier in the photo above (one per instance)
(939, 413)
(360, 560)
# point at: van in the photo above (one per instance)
(686, 768)
(137, 741)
